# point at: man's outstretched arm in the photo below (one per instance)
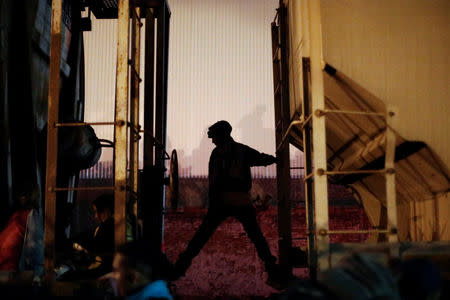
(256, 158)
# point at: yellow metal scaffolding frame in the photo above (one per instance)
(313, 126)
(123, 183)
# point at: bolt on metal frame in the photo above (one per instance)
(122, 182)
(312, 124)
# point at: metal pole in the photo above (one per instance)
(319, 135)
(120, 129)
(149, 87)
(283, 171)
(52, 135)
(134, 105)
(156, 197)
(307, 157)
(391, 201)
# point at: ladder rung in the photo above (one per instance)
(323, 172)
(80, 124)
(83, 188)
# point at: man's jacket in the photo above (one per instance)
(229, 168)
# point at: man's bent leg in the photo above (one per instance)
(209, 225)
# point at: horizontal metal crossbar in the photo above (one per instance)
(323, 112)
(328, 232)
(323, 172)
(80, 124)
(83, 188)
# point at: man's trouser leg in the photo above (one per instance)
(247, 216)
(209, 225)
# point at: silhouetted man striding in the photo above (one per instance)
(229, 186)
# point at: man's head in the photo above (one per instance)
(219, 132)
(103, 207)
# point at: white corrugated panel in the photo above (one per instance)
(219, 69)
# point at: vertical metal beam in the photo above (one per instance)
(52, 135)
(157, 194)
(307, 158)
(283, 170)
(391, 202)
(146, 198)
(149, 87)
(120, 128)
(134, 95)
(134, 110)
(319, 135)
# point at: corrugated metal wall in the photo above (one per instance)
(219, 68)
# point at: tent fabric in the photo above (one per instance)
(356, 142)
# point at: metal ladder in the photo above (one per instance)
(122, 125)
(313, 117)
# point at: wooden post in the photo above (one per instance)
(52, 136)
(319, 136)
(120, 129)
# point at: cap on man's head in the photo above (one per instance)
(221, 128)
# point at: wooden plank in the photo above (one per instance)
(52, 136)
(120, 129)
(318, 135)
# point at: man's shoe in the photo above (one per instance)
(278, 279)
(178, 270)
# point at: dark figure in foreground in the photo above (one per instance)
(139, 272)
(229, 186)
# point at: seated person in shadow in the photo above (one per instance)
(93, 250)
